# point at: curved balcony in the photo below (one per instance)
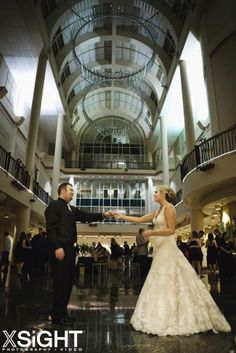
(208, 172)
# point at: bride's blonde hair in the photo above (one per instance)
(168, 191)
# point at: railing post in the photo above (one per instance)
(27, 180)
(7, 161)
(197, 155)
(181, 172)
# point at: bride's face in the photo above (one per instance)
(157, 195)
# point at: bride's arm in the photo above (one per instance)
(170, 216)
(146, 218)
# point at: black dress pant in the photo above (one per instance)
(63, 278)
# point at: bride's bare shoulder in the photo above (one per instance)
(170, 207)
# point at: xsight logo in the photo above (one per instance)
(41, 341)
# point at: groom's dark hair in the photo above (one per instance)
(62, 186)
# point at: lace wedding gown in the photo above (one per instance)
(173, 300)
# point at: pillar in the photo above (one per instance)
(149, 158)
(73, 156)
(228, 219)
(22, 220)
(149, 198)
(196, 219)
(188, 113)
(57, 155)
(165, 152)
(218, 45)
(35, 115)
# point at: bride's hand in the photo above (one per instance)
(118, 216)
(147, 233)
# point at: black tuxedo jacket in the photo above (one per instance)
(61, 222)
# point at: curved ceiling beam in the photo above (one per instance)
(63, 10)
(75, 78)
(77, 99)
(66, 53)
(85, 128)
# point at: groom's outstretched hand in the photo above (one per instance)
(108, 214)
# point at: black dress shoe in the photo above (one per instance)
(70, 318)
(62, 322)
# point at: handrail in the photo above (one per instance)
(209, 149)
(178, 196)
(14, 167)
(41, 193)
(21, 176)
(109, 165)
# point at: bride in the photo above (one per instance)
(173, 300)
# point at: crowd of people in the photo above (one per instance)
(219, 252)
(31, 254)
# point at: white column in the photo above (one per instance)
(22, 219)
(35, 115)
(196, 219)
(165, 153)
(73, 158)
(57, 155)
(149, 199)
(149, 157)
(188, 113)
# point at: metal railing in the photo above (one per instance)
(109, 165)
(178, 197)
(41, 193)
(14, 167)
(21, 176)
(209, 149)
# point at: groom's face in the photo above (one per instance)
(68, 193)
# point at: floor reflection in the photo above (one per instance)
(102, 310)
(201, 343)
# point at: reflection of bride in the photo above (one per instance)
(201, 343)
(173, 300)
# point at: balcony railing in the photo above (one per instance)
(109, 165)
(209, 149)
(41, 193)
(178, 197)
(21, 176)
(14, 167)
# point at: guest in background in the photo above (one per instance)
(195, 255)
(226, 258)
(183, 247)
(142, 253)
(18, 253)
(7, 247)
(212, 253)
(27, 256)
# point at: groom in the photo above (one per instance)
(61, 229)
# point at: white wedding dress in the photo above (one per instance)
(173, 300)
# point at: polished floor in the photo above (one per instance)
(102, 309)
